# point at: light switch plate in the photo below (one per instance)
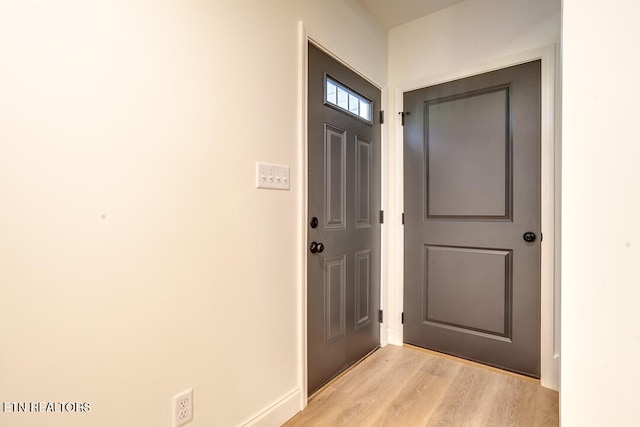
(269, 175)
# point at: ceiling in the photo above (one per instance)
(391, 13)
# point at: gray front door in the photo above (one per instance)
(472, 193)
(343, 263)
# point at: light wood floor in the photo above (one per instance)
(406, 386)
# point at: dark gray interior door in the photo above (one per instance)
(343, 263)
(472, 192)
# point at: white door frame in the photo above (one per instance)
(550, 201)
(306, 35)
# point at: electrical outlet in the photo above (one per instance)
(182, 408)
(272, 176)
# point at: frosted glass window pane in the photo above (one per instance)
(343, 97)
(348, 100)
(331, 92)
(365, 110)
(354, 104)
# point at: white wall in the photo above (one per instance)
(468, 33)
(136, 257)
(445, 43)
(601, 207)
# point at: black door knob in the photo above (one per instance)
(316, 247)
(529, 236)
(314, 222)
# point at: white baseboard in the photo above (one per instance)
(279, 412)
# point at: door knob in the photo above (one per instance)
(316, 247)
(529, 236)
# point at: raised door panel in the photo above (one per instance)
(468, 289)
(335, 288)
(335, 163)
(479, 152)
(363, 288)
(364, 160)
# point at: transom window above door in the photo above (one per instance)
(341, 97)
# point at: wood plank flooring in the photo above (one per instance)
(406, 386)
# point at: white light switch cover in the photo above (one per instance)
(269, 175)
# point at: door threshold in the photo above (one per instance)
(341, 374)
(472, 363)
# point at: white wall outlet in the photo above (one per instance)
(269, 175)
(182, 408)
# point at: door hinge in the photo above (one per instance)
(380, 316)
(541, 237)
(402, 218)
(381, 116)
(403, 114)
(381, 217)
(402, 318)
